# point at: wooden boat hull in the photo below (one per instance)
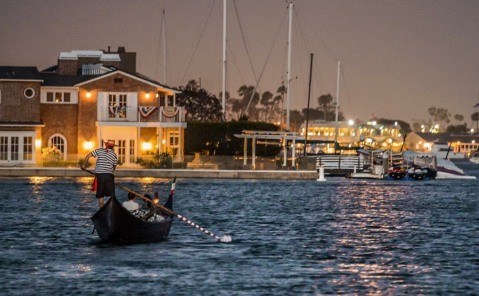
(114, 223)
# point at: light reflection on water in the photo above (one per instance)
(289, 237)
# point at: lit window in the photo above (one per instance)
(58, 97)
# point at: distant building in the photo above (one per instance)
(322, 134)
(87, 98)
(442, 144)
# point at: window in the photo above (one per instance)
(17, 147)
(132, 151)
(117, 106)
(27, 148)
(29, 92)
(121, 151)
(58, 97)
(14, 149)
(58, 141)
(4, 148)
(173, 139)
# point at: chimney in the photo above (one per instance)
(121, 49)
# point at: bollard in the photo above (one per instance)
(321, 174)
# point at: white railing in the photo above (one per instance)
(340, 162)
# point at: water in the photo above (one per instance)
(289, 238)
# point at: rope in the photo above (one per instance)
(198, 42)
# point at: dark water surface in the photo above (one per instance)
(289, 238)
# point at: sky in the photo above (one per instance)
(398, 57)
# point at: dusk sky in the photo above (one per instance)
(398, 57)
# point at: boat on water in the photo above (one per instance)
(445, 168)
(474, 157)
(114, 223)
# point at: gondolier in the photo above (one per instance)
(105, 167)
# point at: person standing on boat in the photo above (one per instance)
(105, 167)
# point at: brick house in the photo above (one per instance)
(20, 120)
(92, 96)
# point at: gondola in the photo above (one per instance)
(115, 224)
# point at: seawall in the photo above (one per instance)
(158, 173)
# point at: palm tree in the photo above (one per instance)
(267, 102)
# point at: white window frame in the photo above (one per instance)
(21, 135)
(173, 135)
(65, 144)
(73, 91)
(29, 88)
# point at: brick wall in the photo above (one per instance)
(14, 106)
(61, 119)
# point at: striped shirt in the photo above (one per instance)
(106, 160)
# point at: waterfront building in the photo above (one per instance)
(87, 98)
(442, 144)
(322, 134)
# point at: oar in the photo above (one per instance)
(224, 239)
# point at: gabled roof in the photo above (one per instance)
(19, 73)
(136, 76)
(53, 79)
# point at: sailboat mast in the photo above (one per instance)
(288, 98)
(337, 107)
(164, 49)
(223, 94)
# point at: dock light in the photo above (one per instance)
(88, 145)
(38, 143)
(396, 123)
(351, 122)
(146, 146)
(147, 95)
(88, 94)
(374, 122)
(472, 130)
(390, 141)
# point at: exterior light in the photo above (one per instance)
(88, 94)
(390, 141)
(396, 123)
(146, 146)
(472, 130)
(88, 145)
(147, 96)
(38, 143)
(157, 95)
(374, 122)
(164, 141)
(351, 122)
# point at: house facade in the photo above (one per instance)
(90, 97)
(20, 120)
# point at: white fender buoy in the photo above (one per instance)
(321, 174)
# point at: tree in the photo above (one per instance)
(457, 129)
(475, 117)
(439, 115)
(405, 127)
(324, 101)
(201, 105)
(458, 118)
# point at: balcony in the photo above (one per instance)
(135, 114)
